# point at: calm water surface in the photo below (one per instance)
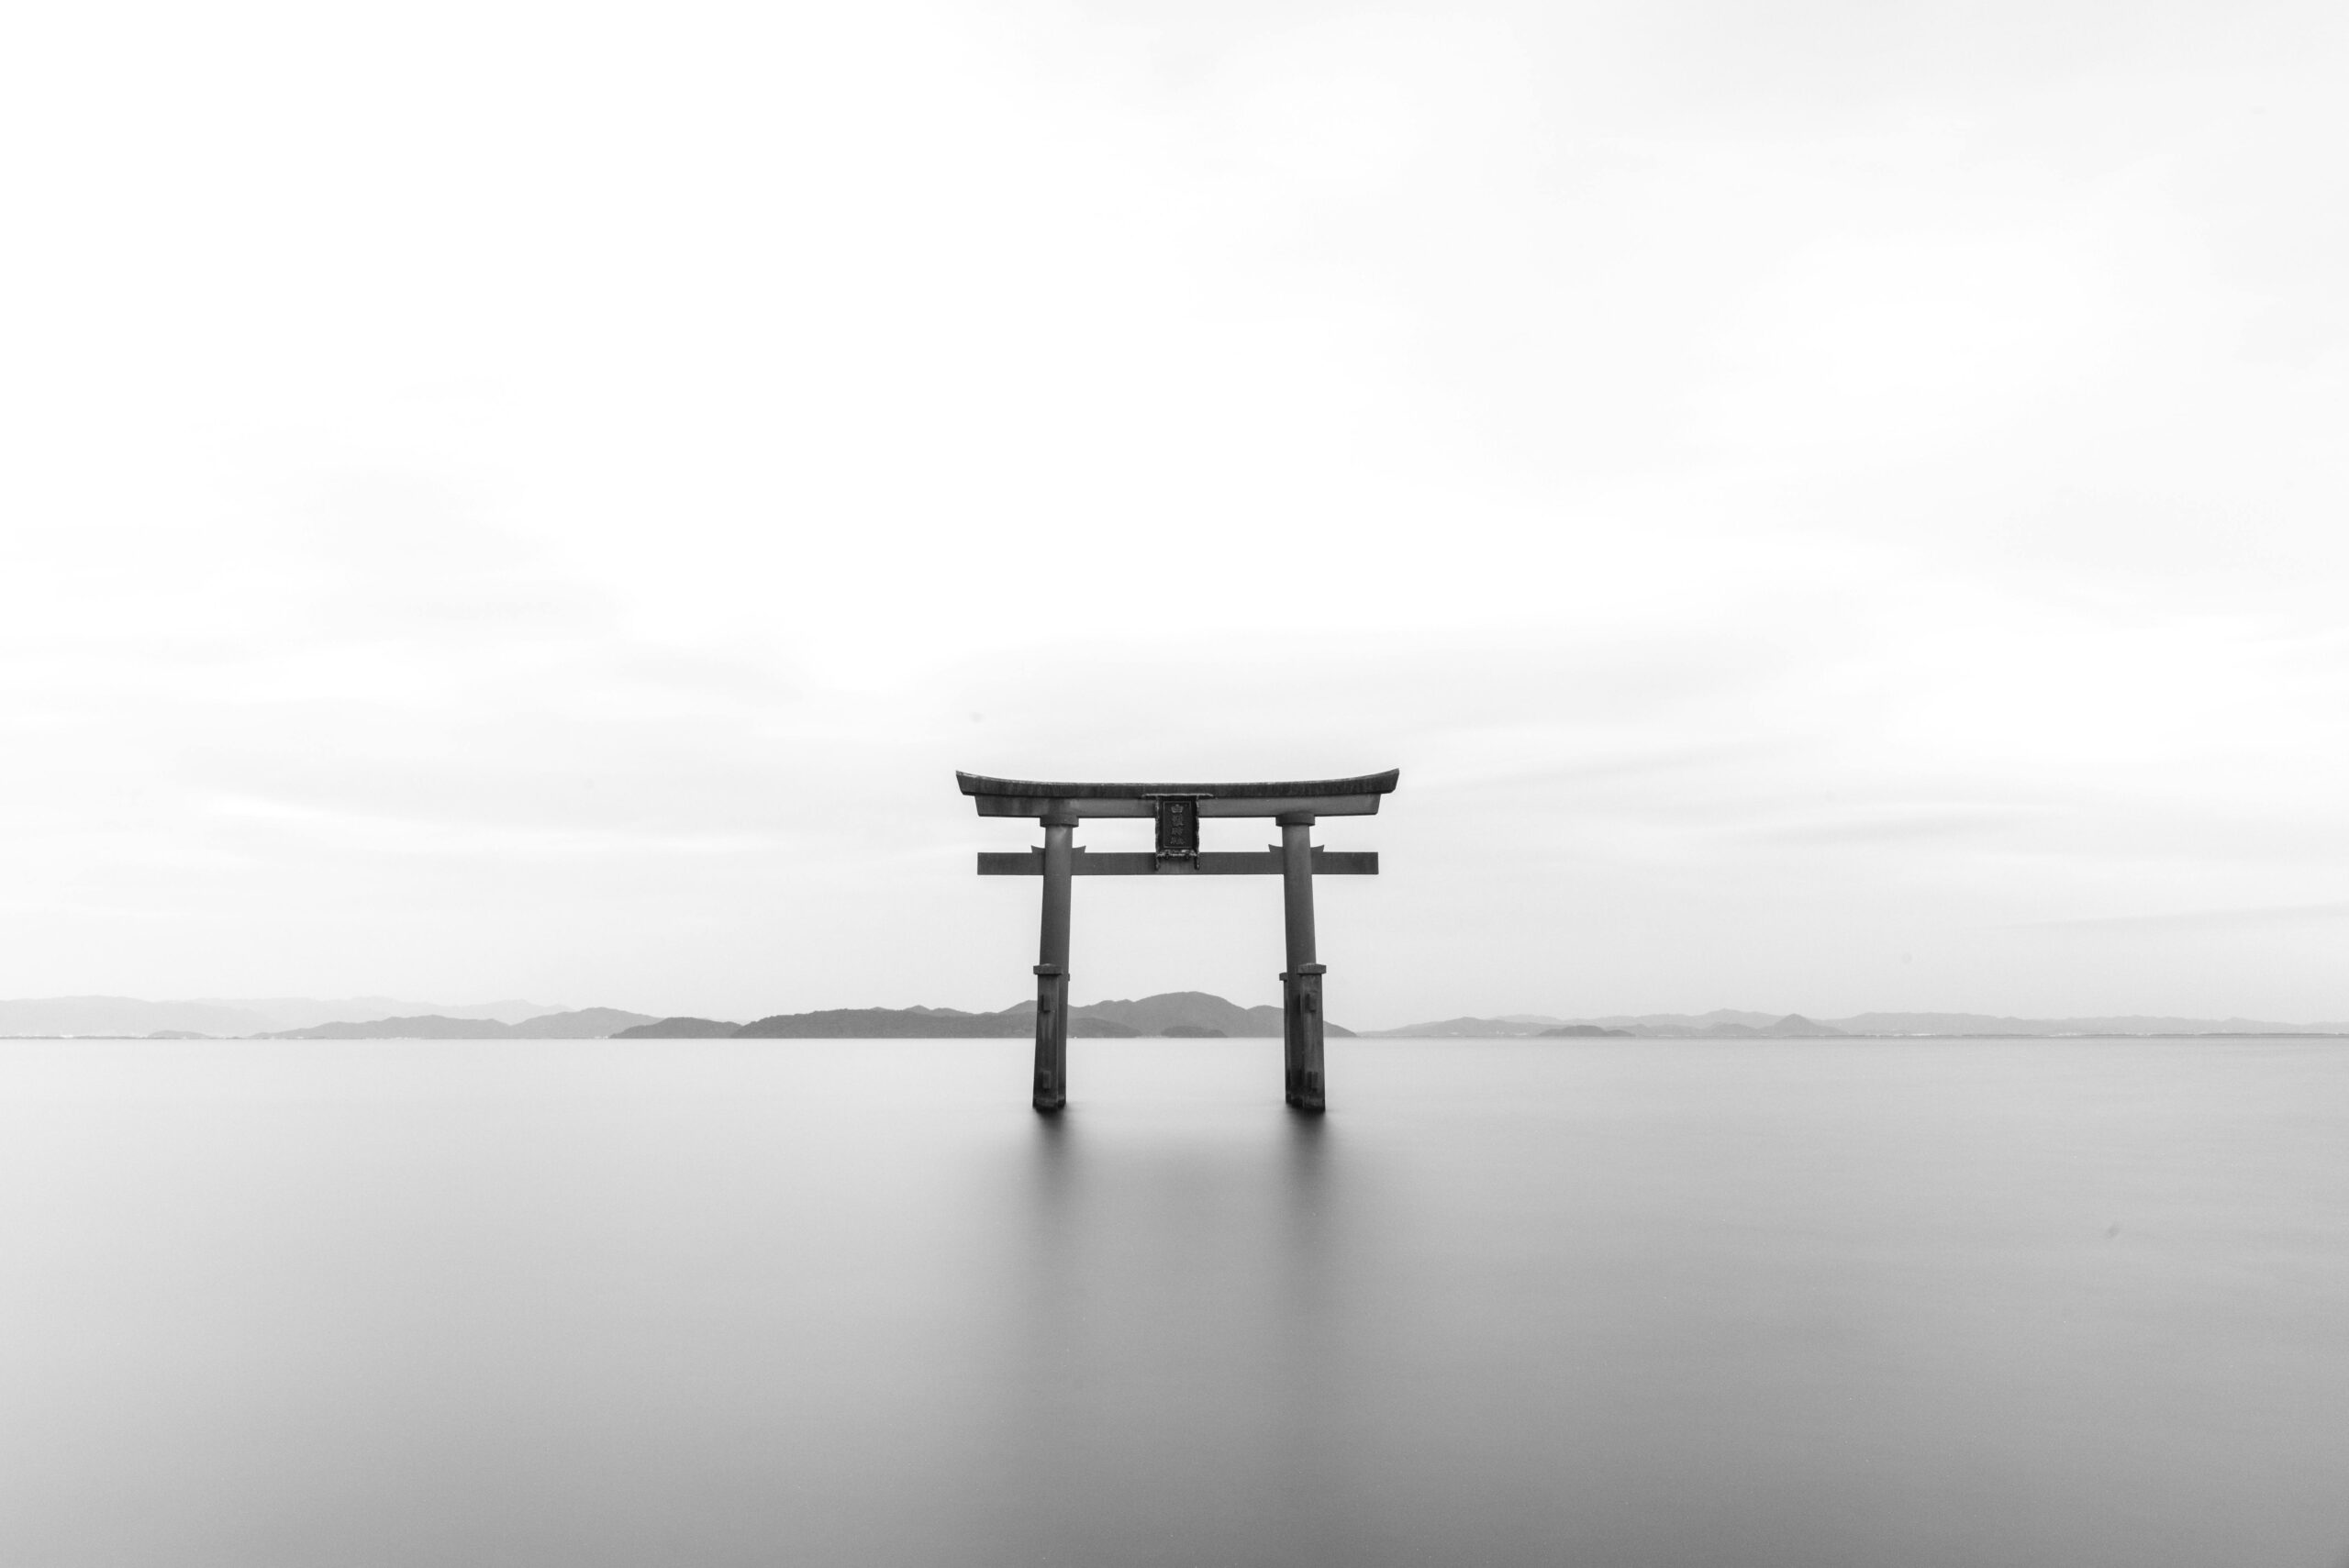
(1797, 1303)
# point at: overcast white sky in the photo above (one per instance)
(1830, 506)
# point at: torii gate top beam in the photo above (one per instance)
(1306, 797)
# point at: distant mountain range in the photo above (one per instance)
(1194, 1014)
(130, 1018)
(1731, 1024)
(1183, 1014)
(586, 1023)
(1723, 1025)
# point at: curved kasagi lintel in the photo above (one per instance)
(1356, 797)
(1362, 784)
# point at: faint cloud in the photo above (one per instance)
(1457, 768)
(418, 836)
(1898, 825)
(2202, 919)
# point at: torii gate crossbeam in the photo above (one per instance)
(1293, 805)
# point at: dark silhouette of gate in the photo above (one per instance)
(1178, 809)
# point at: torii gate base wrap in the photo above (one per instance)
(1178, 809)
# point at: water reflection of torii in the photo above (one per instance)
(1178, 809)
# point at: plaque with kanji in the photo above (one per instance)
(1178, 828)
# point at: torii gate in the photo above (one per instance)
(1178, 809)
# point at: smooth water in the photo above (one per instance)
(1799, 1303)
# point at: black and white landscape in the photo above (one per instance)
(1128, 786)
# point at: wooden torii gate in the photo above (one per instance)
(1178, 809)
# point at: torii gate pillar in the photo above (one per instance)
(1051, 964)
(1296, 806)
(1301, 984)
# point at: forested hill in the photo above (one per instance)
(1192, 1014)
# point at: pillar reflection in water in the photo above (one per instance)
(1171, 1343)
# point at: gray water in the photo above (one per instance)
(1795, 1303)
